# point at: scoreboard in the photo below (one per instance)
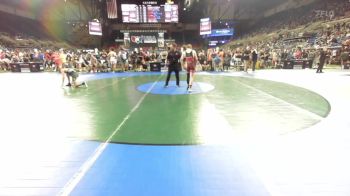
(165, 13)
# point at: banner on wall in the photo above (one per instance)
(112, 9)
(143, 39)
(205, 26)
(221, 32)
(95, 28)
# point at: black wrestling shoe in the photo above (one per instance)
(69, 85)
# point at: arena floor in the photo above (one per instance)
(272, 132)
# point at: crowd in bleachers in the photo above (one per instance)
(299, 34)
(321, 10)
(293, 34)
(84, 60)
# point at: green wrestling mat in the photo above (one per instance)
(236, 106)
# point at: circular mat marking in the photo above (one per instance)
(172, 89)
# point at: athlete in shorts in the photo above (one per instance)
(112, 56)
(72, 76)
(190, 59)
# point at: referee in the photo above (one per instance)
(173, 62)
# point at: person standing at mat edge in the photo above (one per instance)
(254, 59)
(173, 62)
(322, 60)
(190, 59)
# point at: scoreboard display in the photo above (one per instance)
(165, 13)
(205, 26)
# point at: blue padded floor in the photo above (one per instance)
(100, 76)
(170, 170)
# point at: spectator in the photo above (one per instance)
(344, 59)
